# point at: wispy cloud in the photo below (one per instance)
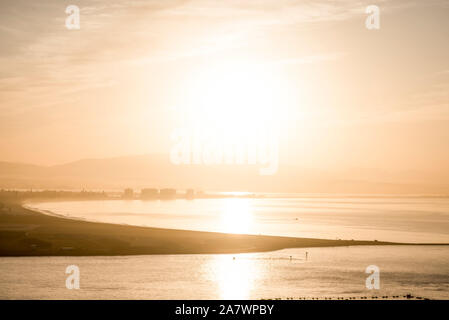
(42, 61)
(311, 59)
(49, 57)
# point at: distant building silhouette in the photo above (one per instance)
(128, 193)
(190, 194)
(167, 193)
(149, 193)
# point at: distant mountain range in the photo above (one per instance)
(157, 171)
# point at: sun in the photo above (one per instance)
(233, 113)
(236, 99)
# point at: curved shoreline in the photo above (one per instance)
(27, 232)
(34, 205)
(54, 214)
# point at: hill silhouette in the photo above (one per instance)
(156, 170)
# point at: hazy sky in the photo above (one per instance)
(355, 97)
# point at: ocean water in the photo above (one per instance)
(327, 272)
(414, 220)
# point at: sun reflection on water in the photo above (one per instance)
(235, 276)
(236, 216)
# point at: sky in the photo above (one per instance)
(345, 96)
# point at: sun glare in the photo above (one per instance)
(235, 275)
(237, 99)
(236, 216)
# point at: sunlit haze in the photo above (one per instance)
(342, 99)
